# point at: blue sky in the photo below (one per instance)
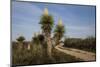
(79, 21)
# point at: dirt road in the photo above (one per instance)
(84, 55)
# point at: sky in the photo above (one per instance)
(79, 21)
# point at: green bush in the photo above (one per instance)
(88, 44)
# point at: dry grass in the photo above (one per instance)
(37, 55)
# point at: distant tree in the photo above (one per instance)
(47, 22)
(20, 40)
(59, 32)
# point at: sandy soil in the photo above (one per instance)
(84, 55)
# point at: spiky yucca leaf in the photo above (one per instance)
(46, 22)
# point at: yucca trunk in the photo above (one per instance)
(57, 38)
(49, 44)
(49, 47)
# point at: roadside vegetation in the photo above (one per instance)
(87, 44)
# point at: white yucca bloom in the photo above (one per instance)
(60, 22)
(46, 11)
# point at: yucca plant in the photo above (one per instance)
(59, 32)
(47, 22)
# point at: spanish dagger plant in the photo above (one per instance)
(47, 22)
(59, 32)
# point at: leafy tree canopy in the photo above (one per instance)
(20, 39)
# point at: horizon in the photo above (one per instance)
(79, 21)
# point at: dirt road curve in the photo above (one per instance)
(84, 55)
